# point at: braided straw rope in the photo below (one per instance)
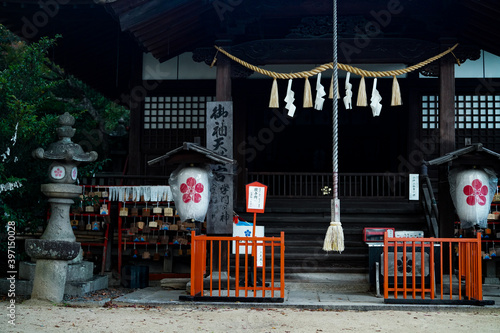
(324, 67)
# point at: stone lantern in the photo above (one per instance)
(57, 246)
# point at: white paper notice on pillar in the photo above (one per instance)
(414, 186)
(220, 139)
(246, 231)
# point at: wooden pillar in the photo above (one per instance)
(446, 142)
(446, 105)
(223, 79)
(414, 107)
(135, 157)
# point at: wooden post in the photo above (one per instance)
(223, 79)
(446, 105)
(414, 106)
(135, 158)
(446, 142)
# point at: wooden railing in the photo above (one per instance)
(424, 269)
(294, 184)
(213, 280)
(351, 185)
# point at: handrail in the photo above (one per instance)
(430, 206)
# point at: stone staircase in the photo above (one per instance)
(305, 223)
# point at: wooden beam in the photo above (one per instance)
(223, 79)
(298, 51)
(148, 11)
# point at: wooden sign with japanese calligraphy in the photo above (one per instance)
(256, 197)
(220, 140)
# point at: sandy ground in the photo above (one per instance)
(51, 318)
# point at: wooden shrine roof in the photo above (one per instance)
(169, 28)
(191, 152)
(103, 40)
(472, 154)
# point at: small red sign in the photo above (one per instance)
(256, 197)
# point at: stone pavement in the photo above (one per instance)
(331, 294)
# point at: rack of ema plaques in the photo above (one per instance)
(149, 230)
(90, 219)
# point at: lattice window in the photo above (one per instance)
(430, 109)
(168, 121)
(477, 112)
(175, 112)
(477, 120)
(471, 112)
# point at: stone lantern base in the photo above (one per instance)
(79, 279)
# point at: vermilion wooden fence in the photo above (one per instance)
(433, 270)
(219, 277)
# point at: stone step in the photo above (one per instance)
(77, 272)
(327, 282)
(74, 288)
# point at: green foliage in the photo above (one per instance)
(33, 93)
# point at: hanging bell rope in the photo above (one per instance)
(334, 238)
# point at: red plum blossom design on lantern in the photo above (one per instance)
(191, 190)
(476, 193)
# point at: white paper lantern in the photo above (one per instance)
(472, 196)
(191, 191)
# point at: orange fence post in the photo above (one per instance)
(282, 265)
(237, 270)
(413, 269)
(395, 269)
(193, 263)
(404, 269)
(431, 269)
(228, 267)
(479, 269)
(386, 265)
(422, 269)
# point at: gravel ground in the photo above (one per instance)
(112, 318)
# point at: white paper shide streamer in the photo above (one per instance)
(139, 193)
(320, 93)
(289, 98)
(348, 92)
(375, 100)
